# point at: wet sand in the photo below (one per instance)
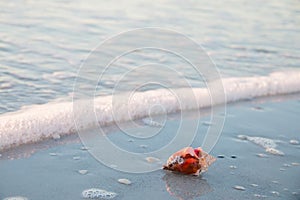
(50, 170)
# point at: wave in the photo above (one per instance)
(51, 120)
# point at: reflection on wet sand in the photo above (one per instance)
(27, 150)
(186, 187)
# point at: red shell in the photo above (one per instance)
(189, 161)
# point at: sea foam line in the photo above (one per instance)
(45, 121)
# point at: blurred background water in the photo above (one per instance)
(43, 43)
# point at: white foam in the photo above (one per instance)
(49, 120)
(268, 144)
(263, 142)
(274, 151)
(95, 193)
(148, 121)
(250, 87)
(16, 198)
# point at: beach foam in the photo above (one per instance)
(95, 193)
(16, 198)
(50, 120)
(268, 144)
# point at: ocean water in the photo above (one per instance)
(255, 46)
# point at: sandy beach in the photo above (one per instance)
(62, 169)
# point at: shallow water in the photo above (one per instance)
(42, 44)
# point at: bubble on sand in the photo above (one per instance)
(232, 167)
(53, 154)
(113, 166)
(152, 159)
(295, 164)
(83, 148)
(76, 158)
(15, 198)
(124, 181)
(207, 123)
(282, 169)
(294, 142)
(262, 155)
(254, 185)
(238, 187)
(275, 193)
(286, 165)
(83, 171)
(275, 182)
(260, 196)
(95, 193)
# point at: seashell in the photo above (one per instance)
(189, 161)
